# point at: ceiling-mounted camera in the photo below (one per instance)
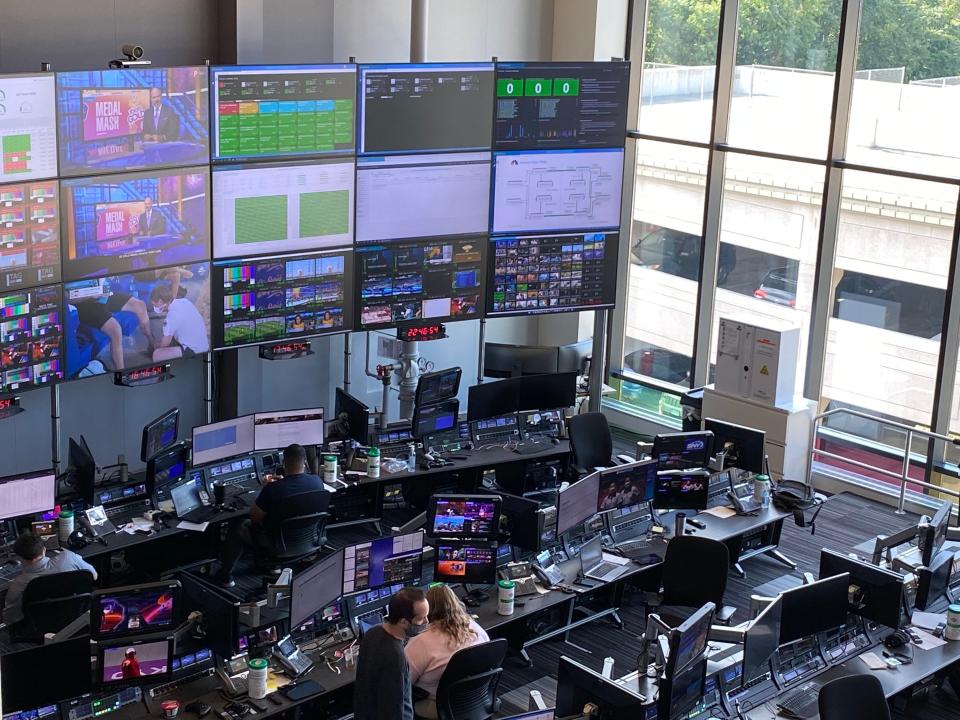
(132, 57)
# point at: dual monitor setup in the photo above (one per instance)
(207, 208)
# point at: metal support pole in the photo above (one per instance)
(419, 10)
(55, 428)
(208, 386)
(597, 359)
(346, 362)
(409, 377)
(480, 351)
(906, 474)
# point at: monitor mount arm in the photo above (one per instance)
(652, 655)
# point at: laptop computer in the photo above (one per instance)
(187, 503)
(592, 564)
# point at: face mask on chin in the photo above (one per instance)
(414, 630)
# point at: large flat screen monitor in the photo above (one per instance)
(221, 440)
(492, 399)
(682, 491)
(22, 495)
(760, 641)
(437, 385)
(275, 430)
(551, 391)
(682, 451)
(439, 419)
(578, 685)
(135, 609)
(29, 234)
(385, 561)
(743, 447)
(561, 105)
(269, 111)
(577, 502)
(464, 517)
(556, 190)
(814, 608)
(258, 300)
(115, 120)
(689, 639)
(432, 280)
(220, 615)
(469, 563)
(31, 338)
(357, 416)
(315, 588)
(627, 485)
(531, 275)
(131, 662)
(142, 221)
(425, 107)
(28, 130)
(159, 434)
(126, 321)
(24, 680)
(282, 208)
(873, 593)
(415, 196)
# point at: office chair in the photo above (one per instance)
(51, 602)
(297, 529)
(468, 686)
(592, 443)
(694, 573)
(854, 697)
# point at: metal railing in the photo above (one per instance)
(904, 475)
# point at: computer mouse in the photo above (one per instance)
(198, 708)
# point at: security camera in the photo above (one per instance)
(132, 57)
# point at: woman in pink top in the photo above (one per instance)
(450, 629)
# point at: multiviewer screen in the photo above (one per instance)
(551, 273)
(31, 328)
(28, 130)
(559, 105)
(29, 235)
(265, 111)
(382, 562)
(279, 298)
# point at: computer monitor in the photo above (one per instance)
(683, 691)
(492, 399)
(435, 419)
(312, 105)
(116, 224)
(84, 468)
(575, 357)
(578, 685)
(873, 593)
(543, 274)
(760, 641)
(577, 502)
(159, 434)
(30, 135)
(932, 535)
(28, 494)
(275, 430)
(743, 447)
(689, 639)
(814, 608)
(135, 609)
(585, 193)
(627, 485)
(405, 282)
(358, 416)
(221, 614)
(124, 119)
(561, 104)
(682, 491)
(384, 561)
(130, 662)
(29, 236)
(315, 588)
(221, 440)
(25, 675)
(548, 392)
(31, 338)
(682, 451)
(440, 385)
(169, 466)
(467, 517)
(470, 563)
(509, 361)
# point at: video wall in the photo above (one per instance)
(152, 214)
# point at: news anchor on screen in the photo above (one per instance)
(160, 123)
(151, 221)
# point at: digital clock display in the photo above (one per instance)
(413, 333)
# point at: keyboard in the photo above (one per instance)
(801, 703)
(169, 687)
(124, 513)
(498, 438)
(636, 546)
(602, 569)
(8, 572)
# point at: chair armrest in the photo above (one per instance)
(724, 614)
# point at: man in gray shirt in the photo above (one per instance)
(382, 689)
(33, 556)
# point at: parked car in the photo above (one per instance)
(779, 286)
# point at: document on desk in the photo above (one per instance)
(927, 621)
(196, 527)
(721, 512)
(873, 661)
(615, 559)
(928, 641)
(136, 525)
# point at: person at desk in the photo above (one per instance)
(276, 489)
(160, 122)
(382, 690)
(33, 556)
(450, 629)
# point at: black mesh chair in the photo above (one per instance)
(51, 602)
(468, 687)
(855, 697)
(296, 529)
(592, 443)
(694, 573)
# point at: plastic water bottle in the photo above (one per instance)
(412, 457)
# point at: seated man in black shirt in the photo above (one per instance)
(382, 688)
(276, 489)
